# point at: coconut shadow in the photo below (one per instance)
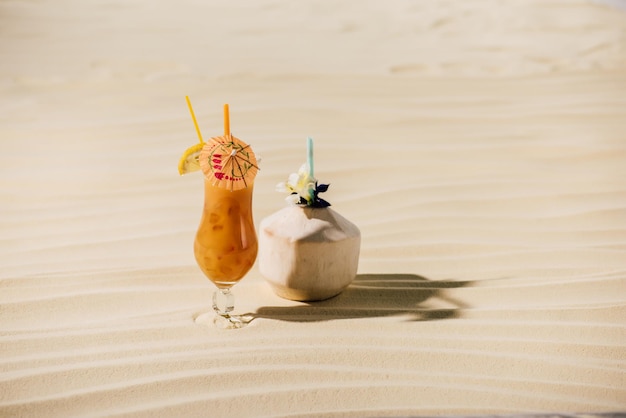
(376, 295)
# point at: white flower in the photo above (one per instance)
(293, 199)
(300, 183)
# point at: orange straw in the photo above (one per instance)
(226, 120)
(195, 122)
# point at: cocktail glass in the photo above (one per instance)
(226, 246)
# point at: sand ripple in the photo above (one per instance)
(479, 146)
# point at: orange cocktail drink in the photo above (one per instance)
(226, 244)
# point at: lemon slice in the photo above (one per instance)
(189, 163)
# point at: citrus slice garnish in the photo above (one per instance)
(189, 163)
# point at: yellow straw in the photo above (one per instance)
(226, 120)
(195, 122)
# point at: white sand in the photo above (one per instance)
(480, 146)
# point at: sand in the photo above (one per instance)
(480, 146)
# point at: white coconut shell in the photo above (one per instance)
(307, 253)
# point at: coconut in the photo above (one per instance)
(307, 253)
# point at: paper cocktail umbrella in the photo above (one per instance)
(227, 161)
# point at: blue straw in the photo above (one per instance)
(309, 155)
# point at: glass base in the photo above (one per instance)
(209, 319)
(223, 305)
(231, 321)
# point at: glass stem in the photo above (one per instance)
(223, 302)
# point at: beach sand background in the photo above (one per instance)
(479, 145)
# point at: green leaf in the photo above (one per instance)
(321, 203)
(322, 188)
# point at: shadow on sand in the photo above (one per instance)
(377, 295)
